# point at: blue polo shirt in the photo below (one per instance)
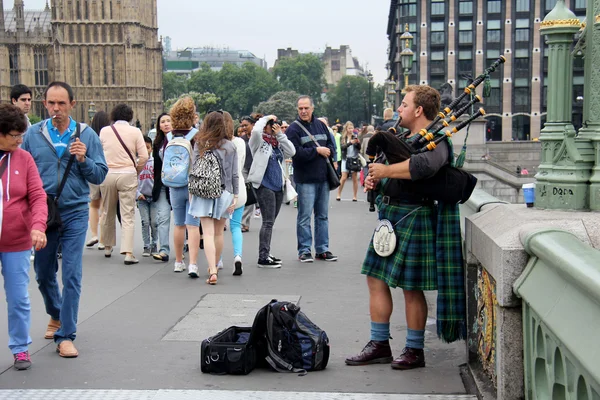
(61, 142)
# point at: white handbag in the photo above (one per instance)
(289, 193)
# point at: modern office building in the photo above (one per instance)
(458, 39)
(337, 63)
(107, 51)
(190, 59)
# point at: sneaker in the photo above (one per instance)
(146, 252)
(108, 251)
(130, 260)
(273, 258)
(193, 271)
(268, 263)
(257, 213)
(101, 246)
(91, 242)
(179, 267)
(327, 256)
(306, 258)
(220, 264)
(22, 361)
(164, 257)
(153, 250)
(237, 266)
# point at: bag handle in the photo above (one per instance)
(125, 147)
(68, 169)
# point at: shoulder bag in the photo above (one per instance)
(125, 147)
(332, 177)
(54, 222)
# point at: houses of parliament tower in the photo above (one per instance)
(107, 50)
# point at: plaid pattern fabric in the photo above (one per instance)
(412, 265)
(428, 256)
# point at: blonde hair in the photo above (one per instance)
(345, 131)
(183, 113)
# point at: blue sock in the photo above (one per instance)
(380, 332)
(415, 339)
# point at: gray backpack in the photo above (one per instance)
(205, 178)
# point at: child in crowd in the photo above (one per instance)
(147, 208)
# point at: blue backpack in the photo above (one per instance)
(177, 162)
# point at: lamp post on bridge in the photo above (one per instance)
(370, 81)
(406, 55)
(92, 111)
(348, 100)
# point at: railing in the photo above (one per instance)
(560, 291)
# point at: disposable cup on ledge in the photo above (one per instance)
(529, 193)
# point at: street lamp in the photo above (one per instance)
(392, 92)
(348, 100)
(91, 111)
(364, 96)
(407, 61)
(370, 80)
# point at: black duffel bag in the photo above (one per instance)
(449, 185)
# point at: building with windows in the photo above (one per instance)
(188, 60)
(108, 51)
(337, 63)
(458, 39)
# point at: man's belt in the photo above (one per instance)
(394, 201)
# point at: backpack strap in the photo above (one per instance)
(290, 368)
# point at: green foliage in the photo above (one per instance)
(348, 100)
(281, 104)
(303, 74)
(204, 80)
(173, 85)
(34, 119)
(203, 101)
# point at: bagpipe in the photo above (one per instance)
(450, 184)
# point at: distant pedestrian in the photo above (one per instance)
(23, 197)
(160, 192)
(524, 171)
(146, 207)
(310, 175)
(20, 96)
(247, 124)
(126, 156)
(52, 143)
(270, 147)
(100, 120)
(350, 150)
(214, 212)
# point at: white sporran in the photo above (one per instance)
(384, 238)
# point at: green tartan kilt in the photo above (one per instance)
(412, 265)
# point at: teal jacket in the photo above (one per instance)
(75, 195)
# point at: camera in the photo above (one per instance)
(272, 122)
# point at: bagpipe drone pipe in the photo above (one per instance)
(450, 184)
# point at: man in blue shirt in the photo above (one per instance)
(51, 143)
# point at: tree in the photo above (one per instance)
(347, 101)
(303, 74)
(173, 85)
(281, 104)
(240, 89)
(204, 101)
(203, 80)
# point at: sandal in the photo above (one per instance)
(212, 277)
(245, 228)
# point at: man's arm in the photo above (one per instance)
(302, 153)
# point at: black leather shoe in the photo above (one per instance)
(410, 359)
(373, 353)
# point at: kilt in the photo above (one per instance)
(412, 265)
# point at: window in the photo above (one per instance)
(437, 7)
(437, 27)
(550, 4)
(495, 98)
(521, 92)
(521, 60)
(40, 66)
(465, 32)
(494, 33)
(438, 35)
(13, 62)
(522, 30)
(494, 6)
(465, 62)
(437, 64)
(580, 4)
(465, 7)
(522, 6)
(408, 8)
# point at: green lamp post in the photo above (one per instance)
(564, 172)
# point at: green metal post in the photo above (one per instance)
(566, 162)
(591, 96)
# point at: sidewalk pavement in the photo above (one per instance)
(140, 327)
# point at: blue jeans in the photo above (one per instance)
(65, 307)
(163, 221)
(235, 224)
(15, 270)
(312, 197)
(148, 214)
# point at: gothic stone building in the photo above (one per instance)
(107, 50)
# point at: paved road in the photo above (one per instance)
(140, 326)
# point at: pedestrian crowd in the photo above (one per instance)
(60, 177)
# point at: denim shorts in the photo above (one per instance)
(180, 202)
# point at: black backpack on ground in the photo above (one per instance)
(293, 342)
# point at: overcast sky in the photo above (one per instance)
(263, 26)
